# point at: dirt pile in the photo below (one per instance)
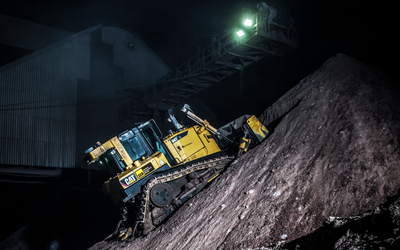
(333, 152)
(377, 229)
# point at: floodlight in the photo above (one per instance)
(240, 33)
(248, 22)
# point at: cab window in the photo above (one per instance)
(134, 148)
(113, 162)
(155, 142)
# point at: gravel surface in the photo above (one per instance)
(333, 152)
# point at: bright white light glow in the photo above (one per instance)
(248, 22)
(240, 33)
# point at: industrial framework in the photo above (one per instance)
(264, 33)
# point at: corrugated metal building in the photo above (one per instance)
(60, 100)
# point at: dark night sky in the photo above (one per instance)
(175, 29)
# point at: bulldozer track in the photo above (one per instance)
(144, 223)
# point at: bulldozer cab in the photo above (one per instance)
(139, 143)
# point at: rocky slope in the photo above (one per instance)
(377, 229)
(333, 152)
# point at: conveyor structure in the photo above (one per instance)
(268, 34)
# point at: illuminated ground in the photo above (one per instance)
(334, 151)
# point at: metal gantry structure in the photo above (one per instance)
(225, 56)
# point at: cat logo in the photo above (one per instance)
(127, 181)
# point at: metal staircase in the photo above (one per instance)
(222, 58)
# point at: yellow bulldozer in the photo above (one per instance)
(155, 175)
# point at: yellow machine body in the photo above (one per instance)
(176, 149)
(137, 155)
(158, 174)
(191, 144)
(185, 146)
(141, 169)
